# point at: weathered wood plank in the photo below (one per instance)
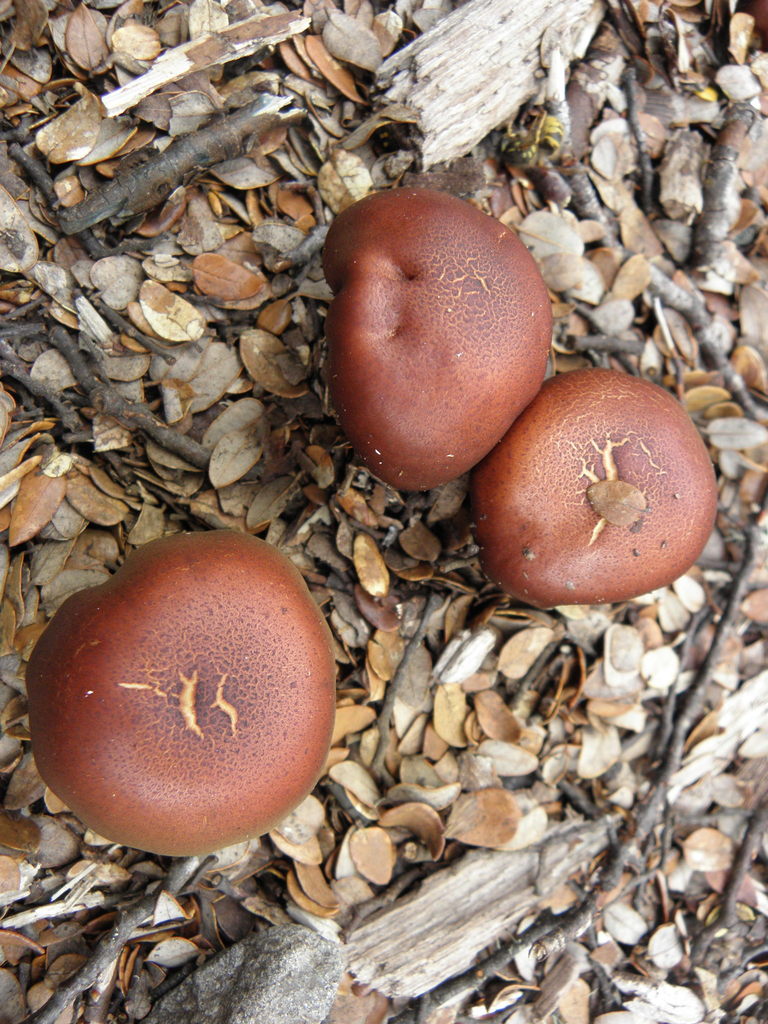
(438, 931)
(474, 69)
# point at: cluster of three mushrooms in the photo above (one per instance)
(187, 703)
(593, 486)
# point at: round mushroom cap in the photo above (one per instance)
(187, 703)
(602, 490)
(438, 334)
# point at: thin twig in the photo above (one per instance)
(152, 181)
(691, 305)
(667, 721)
(133, 415)
(647, 176)
(109, 947)
(629, 345)
(12, 367)
(587, 205)
(650, 813)
(41, 178)
(721, 188)
(742, 862)
(385, 715)
(546, 925)
(121, 323)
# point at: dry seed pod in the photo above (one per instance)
(600, 491)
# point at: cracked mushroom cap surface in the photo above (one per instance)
(187, 703)
(438, 333)
(602, 490)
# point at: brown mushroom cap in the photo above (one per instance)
(188, 702)
(600, 491)
(438, 333)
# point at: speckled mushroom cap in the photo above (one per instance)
(438, 333)
(188, 702)
(552, 531)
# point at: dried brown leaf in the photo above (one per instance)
(522, 649)
(169, 315)
(343, 179)
(495, 718)
(751, 366)
(30, 20)
(347, 39)
(618, 502)
(508, 759)
(438, 797)
(352, 718)
(380, 612)
(233, 456)
(10, 875)
(450, 713)
(633, 278)
(18, 833)
(384, 652)
(312, 881)
(72, 134)
(173, 952)
(38, 498)
(222, 278)
(373, 854)
(18, 244)
(339, 76)
(139, 42)
(358, 782)
(487, 817)
(736, 433)
(7, 405)
(85, 38)
(600, 750)
(370, 565)
(420, 819)
(270, 500)
(418, 541)
(93, 504)
(270, 364)
(708, 849)
(755, 605)
(10, 481)
(699, 398)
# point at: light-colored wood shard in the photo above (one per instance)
(475, 68)
(438, 931)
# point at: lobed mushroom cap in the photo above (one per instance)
(438, 333)
(188, 702)
(539, 523)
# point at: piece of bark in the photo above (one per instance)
(473, 70)
(458, 912)
(143, 185)
(680, 192)
(590, 84)
(242, 39)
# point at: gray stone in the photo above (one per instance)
(285, 975)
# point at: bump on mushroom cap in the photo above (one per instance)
(188, 702)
